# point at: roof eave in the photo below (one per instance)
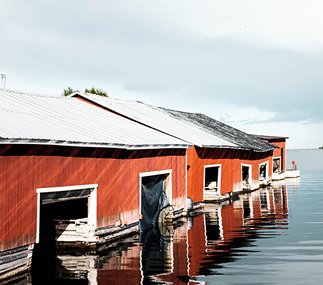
(91, 144)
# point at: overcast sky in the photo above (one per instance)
(254, 64)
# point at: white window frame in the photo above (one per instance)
(267, 165)
(169, 189)
(280, 163)
(218, 190)
(250, 172)
(92, 205)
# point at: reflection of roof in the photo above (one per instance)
(36, 119)
(196, 129)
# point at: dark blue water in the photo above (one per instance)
(270, 236)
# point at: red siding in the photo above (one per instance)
(280, 152)
(26, 168)
(280, 142)
(230, 161)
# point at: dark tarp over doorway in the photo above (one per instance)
(153, 199)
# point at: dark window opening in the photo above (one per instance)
(263, 172)
(212, 178)
(245, 177)
(276, 165)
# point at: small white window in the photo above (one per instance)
(212, 180)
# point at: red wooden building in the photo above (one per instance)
(86, 167)
(71, 165)
(245, 165)
(279, 156)
(223, 159)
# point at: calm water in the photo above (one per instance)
(271, 236)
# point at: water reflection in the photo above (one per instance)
(198, 246)
(253, 216)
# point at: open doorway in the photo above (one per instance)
(212, 181)
(155, 196)
(62, 207)
(246, 176)
(64, 215)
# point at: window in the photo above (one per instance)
(246, 176)
(212, 181)
(263, 173)
(276, 165)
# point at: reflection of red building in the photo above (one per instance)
(159, 258)
(121, 267)
(238, 225)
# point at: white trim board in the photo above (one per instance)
(153, 173)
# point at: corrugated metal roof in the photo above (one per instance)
(36, 119)
(160, 120)
(194, 128)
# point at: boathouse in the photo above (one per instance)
(279, 167)
(223, 159)
(77, 173)
(244, 166)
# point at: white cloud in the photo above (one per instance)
(247, 62)
(301, 135)
(288, 24)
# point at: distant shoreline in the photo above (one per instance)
(303, 149)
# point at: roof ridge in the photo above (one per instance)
(95, 96)
(10, 91)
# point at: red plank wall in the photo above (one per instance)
(230, 160)
(280, 152)
(23, 169)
